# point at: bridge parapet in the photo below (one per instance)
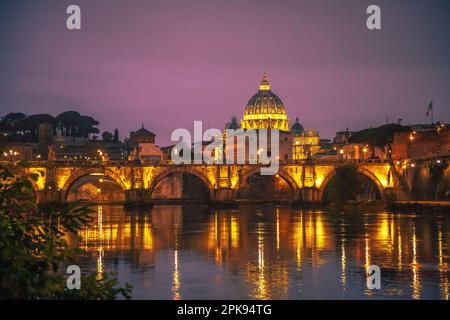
(307, 179)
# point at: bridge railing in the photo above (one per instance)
(119, 163)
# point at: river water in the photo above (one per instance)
(269, 252)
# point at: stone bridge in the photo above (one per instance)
(306, 181)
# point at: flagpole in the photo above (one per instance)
(432, 114)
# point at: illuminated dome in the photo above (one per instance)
(297, 128)
(265, 110)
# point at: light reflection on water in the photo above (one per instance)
(175, 252)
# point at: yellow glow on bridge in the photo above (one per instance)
(40, 174)
(323, 172)
(379, 171)
(299, 176)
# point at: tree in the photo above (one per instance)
(20, 127)
(116, 136)
(68, 121)
(107, 136)
(76, 125)
(378, 137)
(29, 126)
(344, 186)
(12, 118)
(33, 249)
(9, 123)
(87, 126)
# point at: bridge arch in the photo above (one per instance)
(282, 174)
(170, 171)
(23, 174)
(80, 173)
(363, 171)
(34, 185)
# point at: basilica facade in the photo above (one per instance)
(265, 110)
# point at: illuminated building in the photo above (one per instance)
(305, 143)
(142, 146)
(265, 110)
(13, 151)
(421, 142)
(362, 151)
(343, 136)
(141, 136)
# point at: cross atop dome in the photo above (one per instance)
(264, 86)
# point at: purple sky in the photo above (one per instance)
(168, 63)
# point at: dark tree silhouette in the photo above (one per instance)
(9, 122)
(107, 136)
(344, 186)
(20, 127)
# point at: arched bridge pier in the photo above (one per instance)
(133, 183)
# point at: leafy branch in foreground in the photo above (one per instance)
(33, 249)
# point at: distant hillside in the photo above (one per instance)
(378, 137)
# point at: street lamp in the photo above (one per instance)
(12, 154)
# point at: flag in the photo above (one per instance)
(430, 108)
